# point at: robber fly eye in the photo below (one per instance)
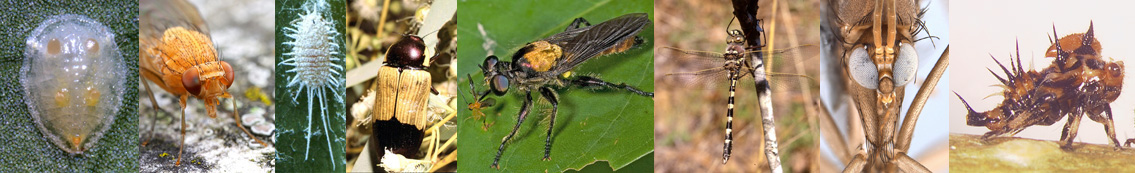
(490, 63)
(499, 84)
(906, 64)
(862, 69)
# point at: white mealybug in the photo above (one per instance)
(314, 57)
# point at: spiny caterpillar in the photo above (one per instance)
(1079, 81)
(315, 60)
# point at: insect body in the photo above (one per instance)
(73, 79)
(403, 84)
(1079, 81)
(873, 43)
(178, 56)
(315, 60)
(541, 66)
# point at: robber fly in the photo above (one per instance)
(874, 44)
(1079, 81)
(545, 65)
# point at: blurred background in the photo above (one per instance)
(689, 126)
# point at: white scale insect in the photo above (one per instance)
(314, 60)
(73, 79)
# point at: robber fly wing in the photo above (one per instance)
(595, 39)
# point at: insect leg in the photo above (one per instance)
(856, 164)
(182, 148)
(236, 116)
(154, 119)
(519, 120)
(551, 97)
(1108, 125)
(907, 164)
(587, 81)
(1070, 130)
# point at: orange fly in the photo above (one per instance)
(178, 55)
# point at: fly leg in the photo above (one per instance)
(519, 120)
(587, 81)
(153, 119)
(551, 97)
(182, 148)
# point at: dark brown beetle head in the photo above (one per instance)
(408, 52)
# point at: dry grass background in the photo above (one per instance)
(690, 120)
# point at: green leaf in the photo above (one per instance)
(591, 125)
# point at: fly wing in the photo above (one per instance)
(584, 43)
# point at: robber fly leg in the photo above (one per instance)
(587, 81)
(551, 97)
(519, 120)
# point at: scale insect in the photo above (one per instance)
(1078, 82)
(314, 64)
(178, 55)
(73, 79)
(542, 66)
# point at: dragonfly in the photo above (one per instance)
(873, 43)
(731, 67)
(178, 56)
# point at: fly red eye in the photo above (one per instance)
(229, 75)
(191, 82)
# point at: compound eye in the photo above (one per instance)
(229, 75)
(490, 63)
(499, 84)
(906, 64)
(862, 69)
(191, 82)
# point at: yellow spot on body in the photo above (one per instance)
(61, 98)
(730, 119)
(543, 55)
(728, 130)
(92, 96)
(728, 141)
(92, 46)
(730, 106)
(76, 142)
(54, 47)
(566, 74)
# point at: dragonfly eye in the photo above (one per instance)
(229, 75)
(862, 69)
(190, 81)
(499, 84)
(906, 64)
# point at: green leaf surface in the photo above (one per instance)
(591, 125)
(295, 153)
